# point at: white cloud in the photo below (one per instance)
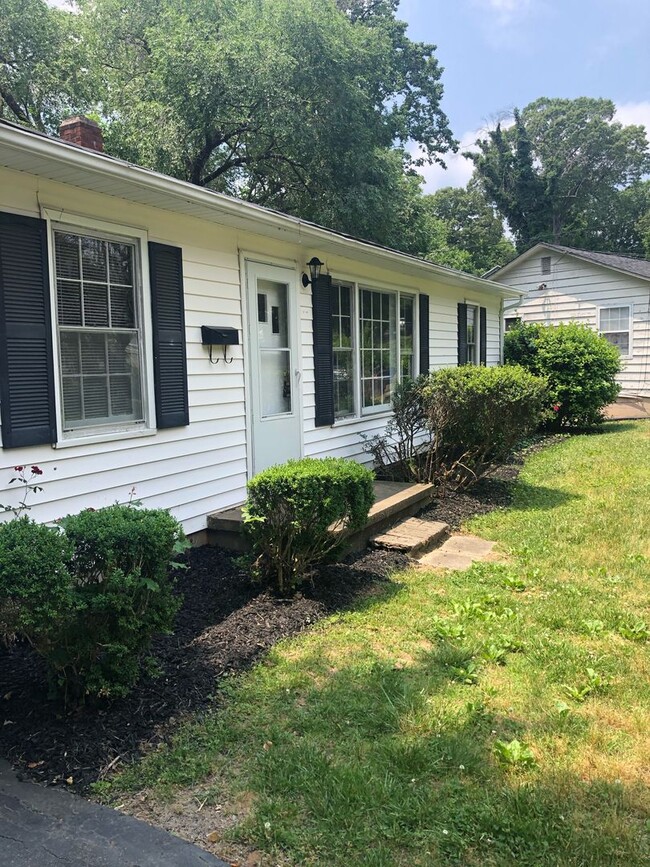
(506, 12)
(637, 113)
(459, 168)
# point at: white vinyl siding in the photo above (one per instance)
(575, 292)
(203, 467)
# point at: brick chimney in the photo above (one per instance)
(82, 131)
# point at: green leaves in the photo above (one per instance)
(514, 753)
(579, 364)
(558, 173)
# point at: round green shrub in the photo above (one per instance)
(476, 416)
(292, 509)
(35, 581)
(579, 364)
(124, 595)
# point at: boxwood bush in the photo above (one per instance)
(291, 509)
(35, 580)
(476, 416)
(579, 364)
(90, 594)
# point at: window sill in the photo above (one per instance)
(109, 436)
(345, 422)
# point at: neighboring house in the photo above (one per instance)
(609, 293)
(158, 336)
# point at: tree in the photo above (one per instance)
(42, 78)
(558, 172)
(465, 231)
(298, 105)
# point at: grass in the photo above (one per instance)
(495, 716)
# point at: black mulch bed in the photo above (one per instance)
(224, 626)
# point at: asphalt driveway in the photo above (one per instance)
(41, 827)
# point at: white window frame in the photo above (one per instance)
(63, 221)
(629, 329)
(356, 287)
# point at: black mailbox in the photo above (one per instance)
(219, 336)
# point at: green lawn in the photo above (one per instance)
(494, 716)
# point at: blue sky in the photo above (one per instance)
(498, 54)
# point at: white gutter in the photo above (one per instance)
(69, 155)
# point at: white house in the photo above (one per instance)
(607, 292)
(158, 336)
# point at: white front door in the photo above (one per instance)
(274, 369)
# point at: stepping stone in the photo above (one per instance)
(458, 553)
(411, 536)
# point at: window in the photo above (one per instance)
(512, 322)
(378, 347)
(472, 334)
(406, 330)
(614, 324)
(342, 351)
(369, 359)
(98, 320)
(546, 264)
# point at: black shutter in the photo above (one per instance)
(169, 355)
(482, 336)
(26, 363)
(462, 334)
(321, 297)
(424, 333)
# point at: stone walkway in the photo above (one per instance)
(458, 552)
(41, 827)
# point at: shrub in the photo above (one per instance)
(35, 582)
(579, 364)
(398, 452)
(123, 592)
(90, 594)
(477, 415)
(291, 510)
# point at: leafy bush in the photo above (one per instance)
(290, 512)
(477, 415)
(90, 594)
(35, 582)
(124, 595)
(398, 452)
(579, 364)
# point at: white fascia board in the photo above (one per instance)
(219, 208)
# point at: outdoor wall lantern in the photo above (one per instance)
(314, 266)
(219, 337)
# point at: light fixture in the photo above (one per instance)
(314, 266)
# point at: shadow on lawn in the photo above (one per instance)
(527, 497)
(357, 769)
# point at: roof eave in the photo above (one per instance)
(225, 209)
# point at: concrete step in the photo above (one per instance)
(412, 536)
(394, 501)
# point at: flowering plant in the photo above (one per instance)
(24, 476)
